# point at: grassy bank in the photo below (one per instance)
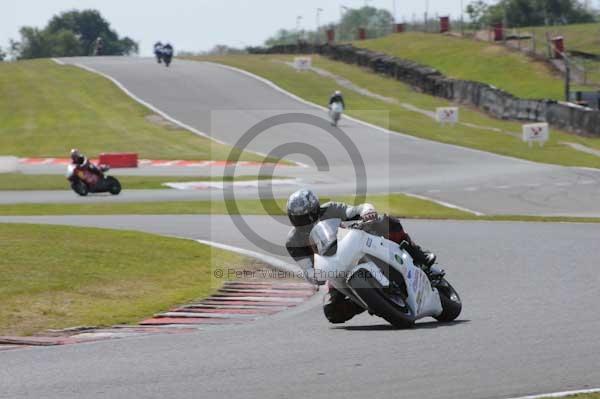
(580, 37)
(48, 109)
(473, 60)
(58, 277)
(477, 134)
(23, 182)
(397, 204)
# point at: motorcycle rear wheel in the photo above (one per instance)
(451, 303)
(371, 292)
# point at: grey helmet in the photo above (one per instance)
(303, 208)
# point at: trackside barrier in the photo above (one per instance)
(9, 164)
(487, 98)
(119, 160)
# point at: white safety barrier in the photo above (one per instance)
(9, 164)
(536, 132)
(302, 63)
(447, 115)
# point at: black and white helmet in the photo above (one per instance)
(303, 208)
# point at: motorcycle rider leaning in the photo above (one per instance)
(337, 98)
(304, 211)
(77, 158)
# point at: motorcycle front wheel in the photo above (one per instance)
(451, 303)
(371, 292)
(80, 188)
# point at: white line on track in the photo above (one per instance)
(271, 260)
(444, 203)
(379, 128)
(156, 109)
(560, 394)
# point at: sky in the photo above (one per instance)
(197, 25)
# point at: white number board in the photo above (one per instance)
(8, 164)
(447, 115)
(303, 63)
(536, 132)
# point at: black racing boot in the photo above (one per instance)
(423, 259)
(337, 308)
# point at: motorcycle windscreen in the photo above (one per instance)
(324, 236)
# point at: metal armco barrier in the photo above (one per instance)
(487, 98)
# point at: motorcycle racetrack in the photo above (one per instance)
(528, 326)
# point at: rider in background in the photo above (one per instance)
(337, 98)
(80, 160)
(99, 47)
(158, 47)
(305, 211)
(168, 48)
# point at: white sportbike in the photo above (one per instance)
(335, 112)
(380, 276)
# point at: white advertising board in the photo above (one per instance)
(8, 164)
(303, 63)
(536, 132)
(447, 115)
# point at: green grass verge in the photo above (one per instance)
(54, 277)
(48, 109)
(396, 204)
(583, 396)
(317, 89)
(580, 37)
(474, 60)
(24, 182)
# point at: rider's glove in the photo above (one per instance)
(369, 214)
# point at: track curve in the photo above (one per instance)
(528, 326)
(225, 103)
(530, 289)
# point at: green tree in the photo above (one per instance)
(73, 33)
(520, 13)
(377, 22)
(2, 55)
(283, 36)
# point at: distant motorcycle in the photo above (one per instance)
(158, 54)
(85, 180)
(167, 55)
(335, 112)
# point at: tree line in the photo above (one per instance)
(69, 34)
(517, 13)
(377, 22)
(522, 13)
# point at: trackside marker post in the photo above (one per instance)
(536, 132)
(302, 63)
(447, 115)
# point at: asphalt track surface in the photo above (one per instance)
(225, 104)
(529, 325)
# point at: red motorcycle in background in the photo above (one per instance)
(85, 179)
